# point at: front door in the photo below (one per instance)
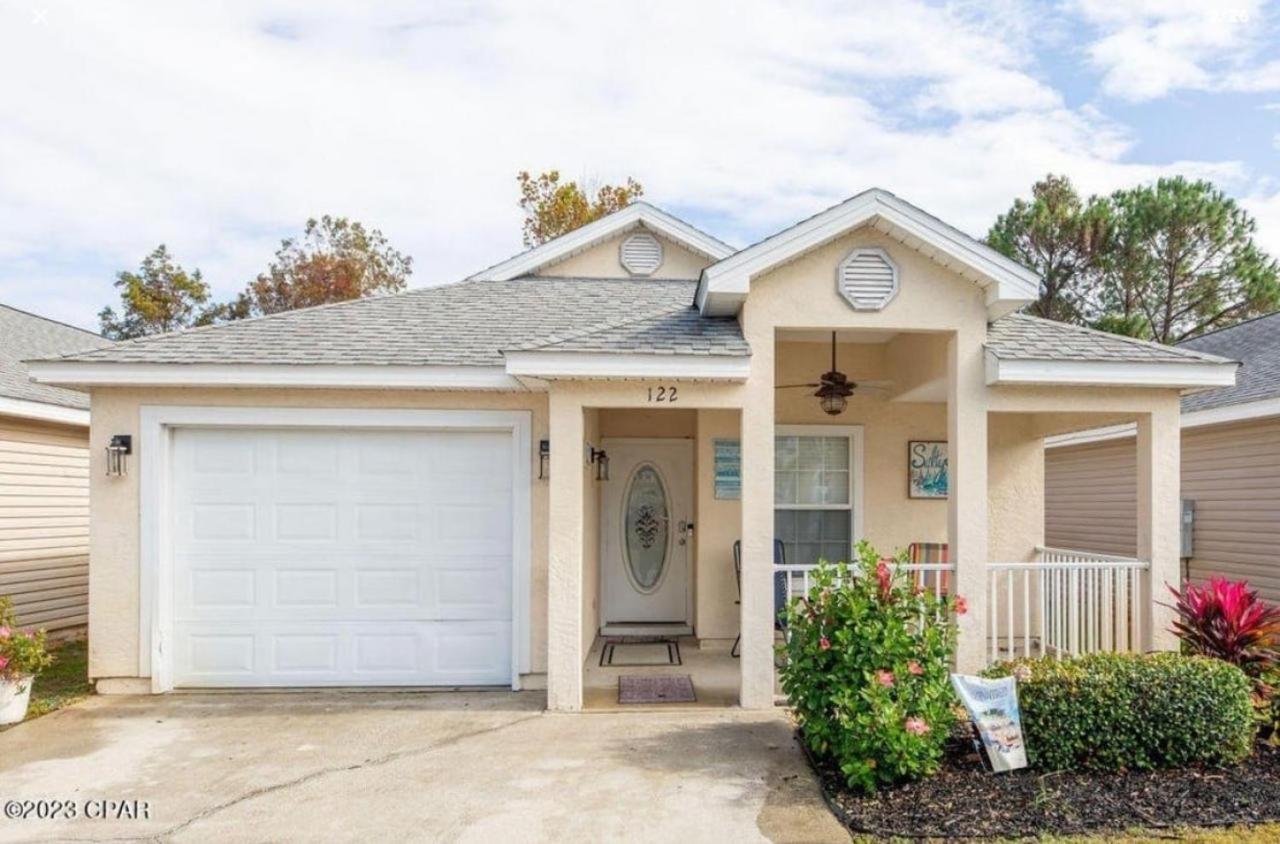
(645, 531)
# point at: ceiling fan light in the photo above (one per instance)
(833, 404)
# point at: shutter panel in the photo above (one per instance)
(641, 254)
(867, 279)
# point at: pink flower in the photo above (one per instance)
(915, 668)
(885, 678)
(1022, 672)
(824, 643)
(962, 605)
(885, 576)
(916, 726)
(4, 633)
(4, 662)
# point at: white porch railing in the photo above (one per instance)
(1065, 603)
(936, 577)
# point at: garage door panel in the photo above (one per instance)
(285, 654)
(341, 558)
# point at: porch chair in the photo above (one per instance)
(931, 553)
(779, 586)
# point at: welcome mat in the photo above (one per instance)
(618, 653)
(656, 688)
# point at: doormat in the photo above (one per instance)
(656, 688)
(632, 653)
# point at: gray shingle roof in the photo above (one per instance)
(468, 323)
(25, 336)
(1024, 337)
(679, 332)
(1256, 344)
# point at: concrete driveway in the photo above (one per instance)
(484, 766)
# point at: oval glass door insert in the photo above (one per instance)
(646, 528)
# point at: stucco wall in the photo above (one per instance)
(602, 261)
(1015, 473)
(590, 537)
(718, 523)
(114, 530)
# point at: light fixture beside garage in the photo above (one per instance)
(544, 459)
(118, 451)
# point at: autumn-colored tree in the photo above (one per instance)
(552, 208)
(1183, 262)
(335, 260)
(1060, 236)
(161, 296)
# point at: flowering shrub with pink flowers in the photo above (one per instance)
(868, 656)
(22, 652)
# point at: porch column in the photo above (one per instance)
(1159, 454)
(564, 568)
(967, 496)
(757, 534)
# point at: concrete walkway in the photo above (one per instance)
(401, 766)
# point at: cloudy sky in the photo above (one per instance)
(218, 128)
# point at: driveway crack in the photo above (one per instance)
(372, 762)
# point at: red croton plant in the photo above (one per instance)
(1226, 619)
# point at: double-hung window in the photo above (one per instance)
(815, 481)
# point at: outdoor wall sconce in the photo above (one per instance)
(601, 461)
(118, 451)
(544, 459)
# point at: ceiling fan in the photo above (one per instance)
(834, 387)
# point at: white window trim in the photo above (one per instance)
(855, 435)
(156, 563)
(43, 411)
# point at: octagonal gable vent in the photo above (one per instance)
(641, 254)
(868, 279)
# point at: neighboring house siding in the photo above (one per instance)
(1228, 470)
(1091, 497)
(44, 523)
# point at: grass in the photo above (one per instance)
(65, 682)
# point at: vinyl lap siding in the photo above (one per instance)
(1231, 472)
(44, 523)
(1091, 497)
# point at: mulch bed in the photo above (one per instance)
(964, 801)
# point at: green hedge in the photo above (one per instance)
(1109, 712)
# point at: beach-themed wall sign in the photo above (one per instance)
(927, 469)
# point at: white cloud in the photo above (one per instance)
(1146, 49)
(218, 128)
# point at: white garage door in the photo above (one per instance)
(341, 557)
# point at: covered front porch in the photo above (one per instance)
(740, 486)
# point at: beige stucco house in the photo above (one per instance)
(44, 478)
(473, 483)
(1230, 453)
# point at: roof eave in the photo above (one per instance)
(555, 365)
(1179, 375)
(43, 411)
(635, 214)
(1008, 286)
(315, 376)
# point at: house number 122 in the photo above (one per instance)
(662, 394)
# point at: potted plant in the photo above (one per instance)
(22, 656)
